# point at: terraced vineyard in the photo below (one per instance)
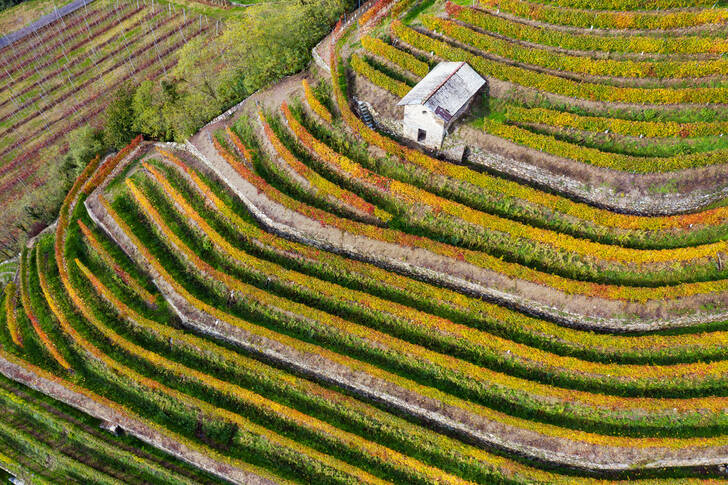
(62, 77)
(293, 296)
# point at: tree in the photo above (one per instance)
(275, 40)
(193, 68)
(148, 111)
(119, 119)
(85, 143)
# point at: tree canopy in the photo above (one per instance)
(268, 42)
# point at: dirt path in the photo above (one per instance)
(269, 98)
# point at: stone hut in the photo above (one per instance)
(434, 104)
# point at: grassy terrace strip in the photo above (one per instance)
(448, 304)
(314, 103)
(688, 44)
(334, 194)
(533, 56)
(648, 129)
(7, 272)
(60, 465)
(641, 148)
(479, 465)
(519, 203)
(377, 77)
(19, 470)
(354, 442)
(559, 15)
(393, 317)
(5, 339)
(104, 255)
(554, 84)
(10, 315)
(615, 161)
(402, 198)
(25, 269)
(321, 351)
(557, 207)
(403, 59)
(51, 427)
(569, 286)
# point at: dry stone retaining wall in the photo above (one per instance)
(473, 427)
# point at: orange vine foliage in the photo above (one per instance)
(110, 164)
(247, 156)
(374, 12)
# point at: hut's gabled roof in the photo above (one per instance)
(445, 89)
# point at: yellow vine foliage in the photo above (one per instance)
(439, 326)
(403, 59)
(294, 308)
(398, 88)
(555, 84)
(458, 300)
(411, 196)
(10, 316)
(554, 14)
(314, 103)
